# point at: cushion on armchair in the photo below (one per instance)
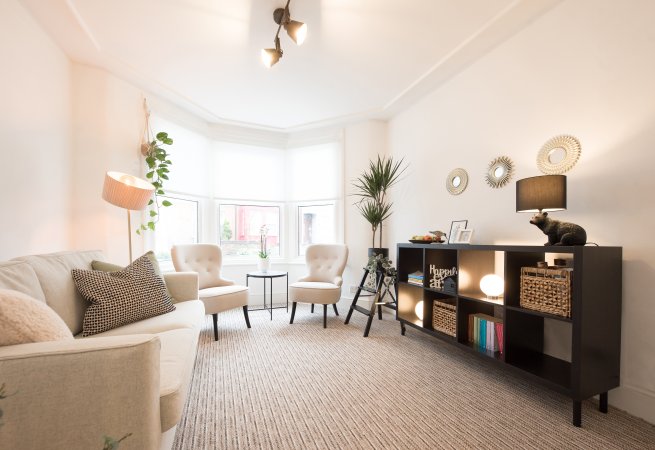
(121, 297)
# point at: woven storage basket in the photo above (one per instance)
(443, 317)
(546, 290)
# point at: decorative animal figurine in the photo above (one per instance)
(559, 233)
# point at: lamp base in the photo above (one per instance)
(279, 16)
(559, 233)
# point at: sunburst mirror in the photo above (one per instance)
(457, 181)
(558, 155)
(500, 171)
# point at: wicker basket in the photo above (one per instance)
(546, 290)
(443, 317)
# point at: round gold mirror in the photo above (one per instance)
(558, 155)
(457, 181)
(500, 172)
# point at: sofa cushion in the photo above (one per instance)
(222, 298)
(177, 358)
(189, 314)
(118, 298)
(54, 274)
(24, 320)
(20, 276)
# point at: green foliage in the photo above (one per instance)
(382, 263)
(112, 444)
(157, 159)
(371, 188)
(3, 395)
(226, 233)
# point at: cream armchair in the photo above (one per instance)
(218, 294)
(322, 286)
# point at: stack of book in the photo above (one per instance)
(486, 332)
(415, 278)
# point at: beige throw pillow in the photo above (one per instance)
(24, 319)
(121, 297)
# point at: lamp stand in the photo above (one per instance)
(129, 233)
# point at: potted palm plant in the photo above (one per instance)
(371, 187)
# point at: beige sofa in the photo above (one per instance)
(71, 394)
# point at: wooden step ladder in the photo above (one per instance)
(382, 288)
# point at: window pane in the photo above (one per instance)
(239, 229)
(178, 224)
(315, 226)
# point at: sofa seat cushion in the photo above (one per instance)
(223, 298)
(24, 320)
(177, 358)
(54, 273)
(314, 292)
(189, 314)
(119, 298)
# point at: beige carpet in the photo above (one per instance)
(281, 386)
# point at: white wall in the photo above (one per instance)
(107, 129)
(585, 68)
(34, 137)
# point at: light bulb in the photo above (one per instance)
(270, 56)
(492, 285)
(418, 310)
(297, 31)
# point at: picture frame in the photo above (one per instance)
(464, 236)
(455, 226)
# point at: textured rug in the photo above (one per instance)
(281, 386)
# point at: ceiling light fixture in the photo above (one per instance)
(295, 29)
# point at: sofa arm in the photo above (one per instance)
(183, 286)
(70, 394)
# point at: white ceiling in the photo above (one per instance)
(361, 59)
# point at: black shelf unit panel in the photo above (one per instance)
(594, 325)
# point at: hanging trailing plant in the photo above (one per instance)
(157, 159)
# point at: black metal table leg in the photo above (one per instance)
(271, 303)
(402, 329)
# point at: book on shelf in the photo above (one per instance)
(486, 332)
(415, 278)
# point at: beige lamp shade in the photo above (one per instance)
(127, 191)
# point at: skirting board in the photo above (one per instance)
(635, 401)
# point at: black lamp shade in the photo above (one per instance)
(544, 193)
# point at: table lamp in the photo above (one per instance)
(128, 192)
(543, 193)
(548, 193)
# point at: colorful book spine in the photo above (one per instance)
(485, 332)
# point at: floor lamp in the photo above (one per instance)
(128, 192)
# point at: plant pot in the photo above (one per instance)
(263, 264)
(377, 251)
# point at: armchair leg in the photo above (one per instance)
(215, 319)
(336, 311)
(293, 311)
(324, 316)
(312, 308)
(245, 314)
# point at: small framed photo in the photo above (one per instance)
(464, 236)
(454, 229)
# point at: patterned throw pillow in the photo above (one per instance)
(125, 296)
(110, 267)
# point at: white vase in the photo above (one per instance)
(263, 264)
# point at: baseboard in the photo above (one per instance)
(635, 401)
